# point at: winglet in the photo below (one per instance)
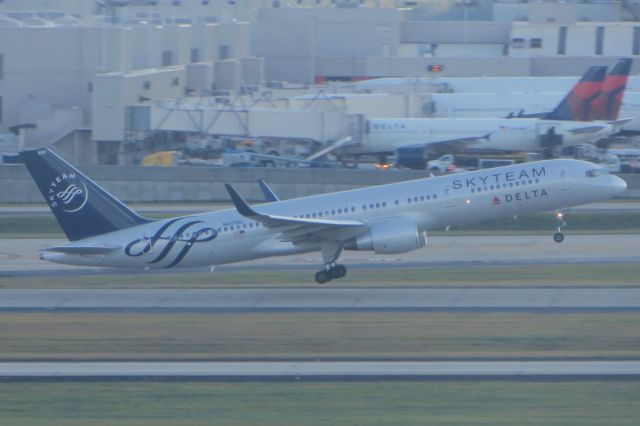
(268, 193)
(241, 205)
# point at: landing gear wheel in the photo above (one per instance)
(558, 237)
(338, 271)
(323, 277)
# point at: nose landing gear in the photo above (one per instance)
(558, 237)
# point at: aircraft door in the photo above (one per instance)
(447, 197)
(565, 183)
(549, 138)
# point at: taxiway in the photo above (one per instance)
(327, 370)
(319, 299)
(20, 257)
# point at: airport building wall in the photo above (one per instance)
(115, 90)
(55, 66)
(476, 32)
(66, 68)
(200, 184)
(566, 12)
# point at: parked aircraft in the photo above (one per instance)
(604, 106)
(385, 219)
(410, 138)
(445, 84)
(607, 105)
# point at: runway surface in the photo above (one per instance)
(318, 370)
(20, 257)
(319, 299)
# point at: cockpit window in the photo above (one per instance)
(596, 172)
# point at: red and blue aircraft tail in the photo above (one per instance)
(578, 104)
(607, 105)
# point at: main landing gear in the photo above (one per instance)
(558, 237)
(332, 271)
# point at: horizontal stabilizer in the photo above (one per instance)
(620, 122)
(83, 249)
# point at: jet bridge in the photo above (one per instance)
(232, 121)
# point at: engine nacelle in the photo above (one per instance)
(394, 236)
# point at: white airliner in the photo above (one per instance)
(478, 105)
(411, 140)
(475, 84)
(505, 134)
(588, 113)
(385, 219)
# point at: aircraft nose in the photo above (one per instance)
(618, 185)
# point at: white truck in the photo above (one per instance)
(629, 159)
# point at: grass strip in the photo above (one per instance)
(312, 404)
(564, 275)
(210, 336)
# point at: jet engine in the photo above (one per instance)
(393, 236)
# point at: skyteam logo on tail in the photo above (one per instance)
(67, 193)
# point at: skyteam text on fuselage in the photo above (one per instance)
(385, 219)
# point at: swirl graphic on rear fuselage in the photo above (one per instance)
(182, 234)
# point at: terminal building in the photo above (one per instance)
(100, 80)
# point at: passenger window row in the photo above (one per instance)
(497, 187)
(240, 227)
(421, 198)
(334, 212)
(326, 213)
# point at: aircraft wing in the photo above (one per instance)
(294, 228)
(95, 249)
(452, 142)
(588, 129)
(445, 146)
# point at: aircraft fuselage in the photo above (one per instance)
(226, 236)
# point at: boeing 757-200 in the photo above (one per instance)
(385, 219)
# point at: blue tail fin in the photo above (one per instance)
(81, 206)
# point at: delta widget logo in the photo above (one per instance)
(67, 193)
